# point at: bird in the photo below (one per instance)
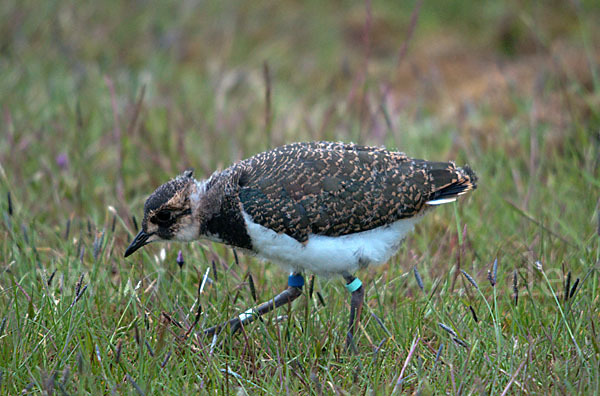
(326, 208)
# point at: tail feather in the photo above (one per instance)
(451, 182)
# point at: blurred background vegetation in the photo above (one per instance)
(188, 79)
(103, 101)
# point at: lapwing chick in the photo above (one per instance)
(320, 207)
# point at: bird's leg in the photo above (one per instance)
(354, 286)
(293, 291)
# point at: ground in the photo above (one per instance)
(104, 101)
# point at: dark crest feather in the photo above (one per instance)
(164, 193)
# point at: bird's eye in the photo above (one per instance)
(162, 217)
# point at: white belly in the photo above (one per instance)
(324, 255)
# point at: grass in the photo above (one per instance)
(102, 103)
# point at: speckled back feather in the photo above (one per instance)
(335, 189)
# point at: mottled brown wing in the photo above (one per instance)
(336, 189)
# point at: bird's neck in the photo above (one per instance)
(205, 200)
(197, 193)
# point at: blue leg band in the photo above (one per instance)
(296, 280)
(354, 285)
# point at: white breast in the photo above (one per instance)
(324, 255)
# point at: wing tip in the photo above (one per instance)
(467, 181)
(440, 201)
(469, 176)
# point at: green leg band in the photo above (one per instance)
(354, 285)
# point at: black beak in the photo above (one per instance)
(139, 241)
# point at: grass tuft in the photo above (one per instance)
(103, 102)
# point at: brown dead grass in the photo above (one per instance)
(454, 79)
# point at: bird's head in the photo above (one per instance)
(169, 213)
